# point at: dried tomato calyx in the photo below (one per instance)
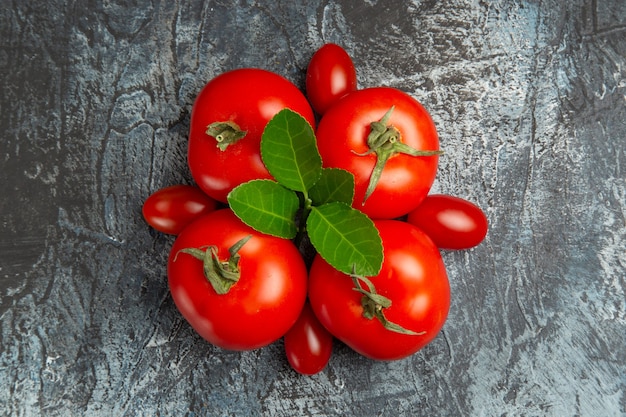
(225, 133)
(373, 305)
(385, 141)
(222, 275)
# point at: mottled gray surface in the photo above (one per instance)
(530, 101)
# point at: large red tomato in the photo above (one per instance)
(413, 278)
(343, 134)
(237, 105)
(265, 301)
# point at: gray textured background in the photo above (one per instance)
(530, 101)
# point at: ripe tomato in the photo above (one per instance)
(242, 100)
(330, 75)
(413, 277)
(308, 345)
(343, 134)
(261, 306)
(170, 209)
(451, 222)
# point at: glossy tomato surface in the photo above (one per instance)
(342, 140)
(171, 209)
(413, 277)
(308, 345)
(451, 222)
(261, 306)
(249, 98)
(330, 75)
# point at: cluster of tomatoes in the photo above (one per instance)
(241, 289)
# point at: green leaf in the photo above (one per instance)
(266, 206)
(334, 185)
(289, 151)
(346, 238)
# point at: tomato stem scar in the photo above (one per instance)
(225, 133)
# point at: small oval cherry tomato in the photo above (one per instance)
(330, 75)
(171, 209)
(308, 345)
(451, 222)
(260, 305)
(413, 278)
(237, 105)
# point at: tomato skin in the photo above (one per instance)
(261, 307)
(330, 75)
(249, 97)
(451, 222)
(308, 345)
(405, 181)
(413, 277)
(171, 209)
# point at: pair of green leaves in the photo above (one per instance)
(307, 198)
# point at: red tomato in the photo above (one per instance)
(342, 137)
(170, 209)
(308, 345)
(261, 306)
(413, 277)
(246, 99)
(330, 76)
(451, 222)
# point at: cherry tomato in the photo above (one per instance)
(451, 222)
(413, 278)
(238, 101)
(343, 134)
(170, 209)
(265, 301)
(330, 76)
(308, 345)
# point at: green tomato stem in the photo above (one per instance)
(222, 275)
(373, 305)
